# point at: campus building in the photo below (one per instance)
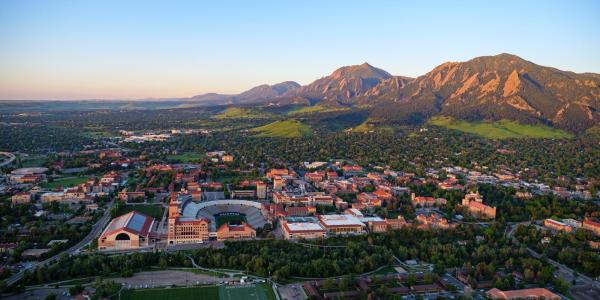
(474, 203)
(556, 225)
(591, 225)
(342, 224)
(235, 232)
(185, 230)
(129, 231)
(302, 230)
(529, 294)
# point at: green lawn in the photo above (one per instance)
(287, 129)
(503, 129)
(315, 109)
(205, 293)
(155, 211)
(65, 182)
(186, 157)
(33, 161)
(258, 292)
(232, 219)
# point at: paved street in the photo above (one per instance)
(10, 158)
(75, 249)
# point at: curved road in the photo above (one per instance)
(96, 230)
(11, 158)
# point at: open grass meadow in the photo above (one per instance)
(242, 113)
(315, 109)
(251, 292)
(503, 129)
(65, 182)
(186, 157)
(285, 129)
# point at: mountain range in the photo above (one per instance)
(485, 88)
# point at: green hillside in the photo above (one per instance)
(242, 113)
(287, 128)
(503, 129)
(315, 109)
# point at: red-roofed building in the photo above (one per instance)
(558, 226)
(426, 201)
(277, 172)
(592, 226)
(474, 204)
(313, 177)
(383, 195)
(129, 231)
(235, 232)
(529, 294)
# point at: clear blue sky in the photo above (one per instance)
(136, 49)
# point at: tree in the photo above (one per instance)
(76, 290)
(51, 296)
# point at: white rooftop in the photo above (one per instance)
(371, 219)
(304, 226)
(340, 220)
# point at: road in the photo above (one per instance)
(562, 270)
(96, 230)
(11, 158)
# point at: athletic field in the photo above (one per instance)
(231, 218)
(250, 292)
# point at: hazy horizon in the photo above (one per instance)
(58, 50)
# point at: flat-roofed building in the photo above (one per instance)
(129, 231)
(304, 230)
(261, 190)
(529, 294)
(243, 194)
(342, 224)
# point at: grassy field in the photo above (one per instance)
(315, 109)
(155, 211)
(206, 293)
(242, 113)
(257, 292)
(232, 219)
(186, 157)
(503, 129)
(365, 127)
(33, 161)
(65, 182)
(287, 129)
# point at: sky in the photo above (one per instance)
(126, 49)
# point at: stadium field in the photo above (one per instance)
(231, 218)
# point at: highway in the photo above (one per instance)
(11, 158)
(96, 230)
